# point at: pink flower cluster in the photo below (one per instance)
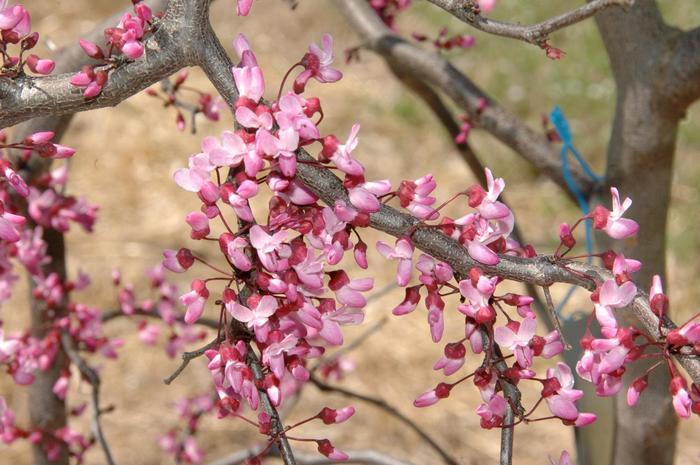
(127, 37)
(287, 301)
(15, 28)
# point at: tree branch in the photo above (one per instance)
(187, 357)
(172, 47)
(391, 410)
(363, 457)
(94, 379)
(534, 33)
(541, 270)
(682, 86)
(114, 314)
(434, 69)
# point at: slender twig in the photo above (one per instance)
(187, 357)
(533, 34)
(554, 318)
(94, 379)
(364, 457)
(431, 98)
(390, 409)
(435, 69)
(114, 314)
(350, 347)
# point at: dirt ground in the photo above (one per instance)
(126, 157)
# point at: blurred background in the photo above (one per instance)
(126, 156)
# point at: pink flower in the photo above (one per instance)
(612, 222)
(453, 359)
(364, 196)
(415, 196)
(493, 412)
(613, 296)
(249, 82)
(257, 319)
(230, 151)
(282, 148)
(272, 250)
(243, 7)
(90, 80)
(317, 65)
(195, 300)
(273, 355)
(341, 154)
(349, 292)
(564, 458)
(403, 252)
(681, 399)
(486, 6)
(326, 448)
(441, 391)
(196, 175)
(516, 337)
(330, 416)
(559, 393)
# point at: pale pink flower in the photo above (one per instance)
(612, 222)
(317, 65)
(195, 300)
(243, 7)
(403, 252)
(256, 319)
(518, 340)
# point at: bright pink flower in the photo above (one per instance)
(341, 154)
(441, 391)
(291, 114)
(60, 387)
(516, 337)
(282, 148)
(364, 196)
(403, 252)
(273, 354)
(453, 358)
(330, 416)
(326, 448)
(612, 222)
(409, 303)
(349, 292)
(195, 300)
(249, 82)
(230, 152)
(243, 7)
(636, 389)
(613, 296)
(415, 197)
(272, 250)
(559, 392)
(332, 321)
(493, 412)
(564, 458)
(196, 175)
(317, 65)
(256, 319)
(148, 333)
(681, 399)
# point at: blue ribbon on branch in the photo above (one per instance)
(561, 126)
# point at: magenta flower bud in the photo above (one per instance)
(143, 11)
(326, 448)
(39, 138)
(92, 50)
(133, 49)
(199, 223)
(62, 152)
(360, 253)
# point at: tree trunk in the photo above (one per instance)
(640, 165)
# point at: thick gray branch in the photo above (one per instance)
(171, 48)
(534, 33)
(540, 271)
(439, 72)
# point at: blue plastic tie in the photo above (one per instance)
(561, 125)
